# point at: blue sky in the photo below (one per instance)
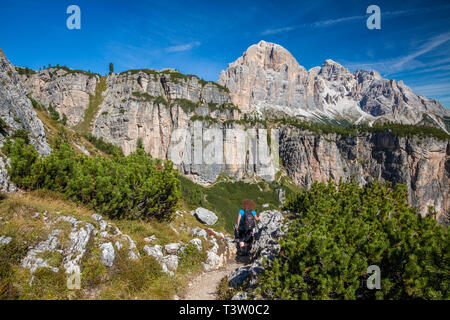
(202, 37)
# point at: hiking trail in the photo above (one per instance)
(204, 286)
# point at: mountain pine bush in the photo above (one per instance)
(135, 186)
(342, 229)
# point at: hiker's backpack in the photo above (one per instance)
(249, 220)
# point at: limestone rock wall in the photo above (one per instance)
(16, 113)
(67, 91)
(422, 163)
(149, 105)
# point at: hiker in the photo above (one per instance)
(245, 227)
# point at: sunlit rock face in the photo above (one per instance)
(67, 91)
(16, 113)
(267, 78)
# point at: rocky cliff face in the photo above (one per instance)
(16, 112)
(154, 106)
(151, 106)
(148, 105)
(423, 164)
(268, 78)
(67, 91)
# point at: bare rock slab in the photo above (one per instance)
(205, 216)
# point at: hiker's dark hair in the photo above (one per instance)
(248, 205)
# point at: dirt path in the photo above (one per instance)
(204, 287)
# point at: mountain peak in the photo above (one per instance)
(332, 68)
(330, 62)
(2, 54)
(267, 76)
(265, 44)
(267, 55)
(247, 76)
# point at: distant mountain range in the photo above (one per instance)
(267, 79)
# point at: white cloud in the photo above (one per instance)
(275, 31)
(183, 47)
(326, 23)
(330, 22)
(433, 90)
(318, 24)
(427, 47)
(402, 63)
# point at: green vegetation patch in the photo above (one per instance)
(161, 100)
(177, 77)
(143, 97)
(225, 198)
(188, 106)
(341, 230)
(133, 187)
(348, 130)
(446, 121)
(75, 71)
(24, 71)
(104, 146)
(203, 83)
(405, 130)
(204, 118)
(152, 72)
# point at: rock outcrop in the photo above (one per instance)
(268, 79)
(170, 113)
(265, 245)
(16, 113)
(220, 249)
(67, 91)
(223, 249)
(205, 216)
(149, 105)
(16, 110)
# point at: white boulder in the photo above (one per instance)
(107, 254)
(171, 261)
(205, 216)
(155, 251)
(172, 248)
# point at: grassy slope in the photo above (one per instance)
(128, 279)
(54, 128)
(84, 127)
(225, 197)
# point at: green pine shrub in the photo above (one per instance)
(104, 146)
(132, 187)
(342, 229)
